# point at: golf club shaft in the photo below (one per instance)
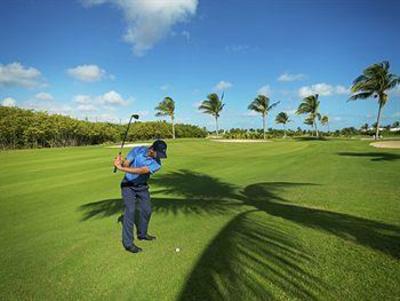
(123, 141)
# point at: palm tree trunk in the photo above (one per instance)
(378, 120)
(284, 128)
(173, 127)
(264, 126)
(316, 129)
(216, 126)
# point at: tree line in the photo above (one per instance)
(21, 128)
(375, 81)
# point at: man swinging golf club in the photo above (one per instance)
(139, 164)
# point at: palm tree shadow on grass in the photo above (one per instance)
(375, 156)
(372, 234)
(190, 193)
(199, 206)
(250, 257)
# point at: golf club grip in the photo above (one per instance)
(115, 169)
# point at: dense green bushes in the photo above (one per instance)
(237, 133)
(162, 129)
(20, 128)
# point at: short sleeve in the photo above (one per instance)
(131, 155)
(153, 166)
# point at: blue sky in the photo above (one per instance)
(104, 59)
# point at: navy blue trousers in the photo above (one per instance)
(135, 198)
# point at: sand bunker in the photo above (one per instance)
(129, 145)
(386, 144)
(241, 140)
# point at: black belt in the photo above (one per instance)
(136, 186)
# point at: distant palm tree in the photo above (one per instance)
(325, 121)
(375, 81)
(260, 104)
(167, 108)
(310, 106)
(213, 106)
(282, 118)
(364, 127)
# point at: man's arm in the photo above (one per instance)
(135, 170)
(122, 167)
(126, 163)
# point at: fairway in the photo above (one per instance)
(286, 220)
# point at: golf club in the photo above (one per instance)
(135, 116)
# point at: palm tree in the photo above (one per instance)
(213, 106)
(167, 108)
(282, 118)
(325, 121)
(260, 104)
(375, 81)
(310, 106)
(364, 128)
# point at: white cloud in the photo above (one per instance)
(87, 73)
(251, 114)
(87, 108)
(44, 96)
(197, 104)
(287, 77)
(149, 21)
(264, 90)
(291, 112)
(395, 91)
(15, 74)
(323, 89)
(82, 99)
(51, 107)
(113, 98)
(143, 113)
(107, 100)
(9, 102)
(342, 90)
(223, 85)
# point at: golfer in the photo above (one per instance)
(140, 162)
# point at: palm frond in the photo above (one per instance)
(166, 107)
(361, 95)
(324, 120)
(375, 80)
(212, 105)
(273, 105)
(260, 104)
(282, 118)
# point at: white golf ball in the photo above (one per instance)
(177, 250)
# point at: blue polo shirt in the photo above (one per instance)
(138, 157)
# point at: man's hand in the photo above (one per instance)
(118, 162)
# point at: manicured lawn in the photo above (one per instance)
(309, 220)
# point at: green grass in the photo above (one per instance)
(308, 220)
